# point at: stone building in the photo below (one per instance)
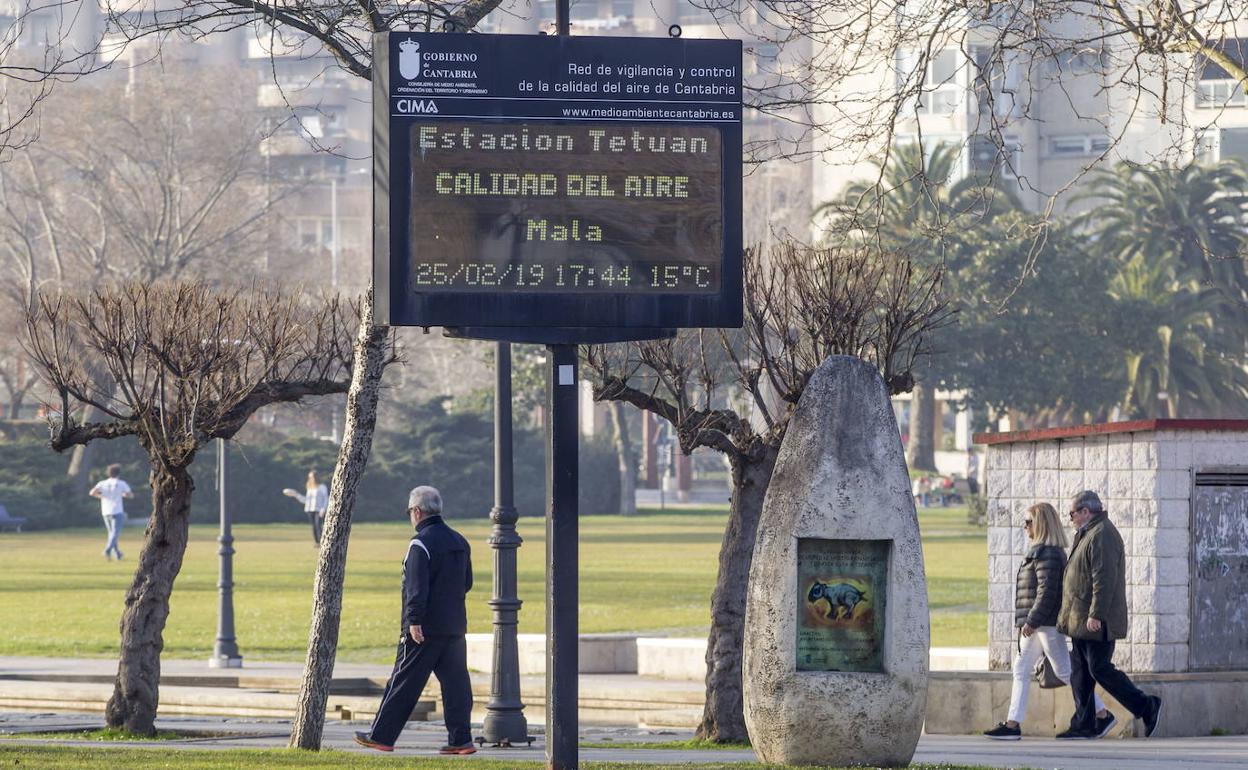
(1178, 492)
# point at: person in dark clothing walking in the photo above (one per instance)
(437, 573)
(1094, 616)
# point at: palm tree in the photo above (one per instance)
(1181, 355)
(1195, 214)
(915, 206)
(1178, 238)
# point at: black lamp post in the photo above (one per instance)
(505, 724)
(225, 652)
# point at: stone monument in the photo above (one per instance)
(836, 624)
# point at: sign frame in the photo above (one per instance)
(645, 314)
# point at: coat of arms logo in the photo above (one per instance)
(409, 59)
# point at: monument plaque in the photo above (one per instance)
(843, 588)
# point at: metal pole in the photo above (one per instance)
(505, 724)
(225, 652)
(561, 560)
(561, 540)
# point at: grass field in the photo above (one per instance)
(92, 758)
(652, 573)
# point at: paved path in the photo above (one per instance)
(422, 739)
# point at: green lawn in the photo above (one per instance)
(651, 573)
(95, 758)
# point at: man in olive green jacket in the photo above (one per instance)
(1094, 616)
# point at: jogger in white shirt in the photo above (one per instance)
(111, 492)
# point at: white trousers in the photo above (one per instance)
(1048, 642)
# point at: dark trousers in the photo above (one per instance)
(446, 657)
(1092, 663)
(317, 519)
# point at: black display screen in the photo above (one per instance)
(557, 182)
(573, 208)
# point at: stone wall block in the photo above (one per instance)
(1171, 657)
(1070, 455)
(1172, 542)
(1172, 599)
(1070, 483)
(1143, 657)
(1096, 453)
(1096, 479)
(1120, 487)
(997, 458)
(1143, 629)
(1000, 510)
(1022, 483)
(998, 540)
(1048, 484)
(1119, 448)
(1000, 655)
(1123, 513)
(1143, 484)
(1174, 629)
(1174, 485)
(1018, 544)
(1000, 597)
(1143, 452)
(998, 483)
(1142, 543)
(1001, 626)
(1214, 452)
(1142, 597)
(999, 569)
(1023, 456)
(1173, 571)
(1173, 514)
(1046, 455)
(1174, 451)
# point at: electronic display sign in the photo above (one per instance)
(541, 181)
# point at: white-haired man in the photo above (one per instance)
(437, 573)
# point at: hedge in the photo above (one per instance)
(422, 444)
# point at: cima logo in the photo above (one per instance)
(409, 59)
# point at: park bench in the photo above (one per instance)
(10, 522)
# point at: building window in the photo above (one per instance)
(941, 92)
(622, 8)
(1217, 87)
(1077, 146)
(1233, 144)
(988, 159)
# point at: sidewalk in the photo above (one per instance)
(1227, 753)
(255, 705)
(268, 690)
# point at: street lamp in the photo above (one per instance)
(225, 652)
(505, 724)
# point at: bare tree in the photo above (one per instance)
(626, 457)
(802, 305)
(190, 364)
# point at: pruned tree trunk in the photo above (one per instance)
(921, 449)
(80, 460)
(723, 716)
(368, 362)
(626, 455)
(136, 691)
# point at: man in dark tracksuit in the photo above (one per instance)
(437, 573)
